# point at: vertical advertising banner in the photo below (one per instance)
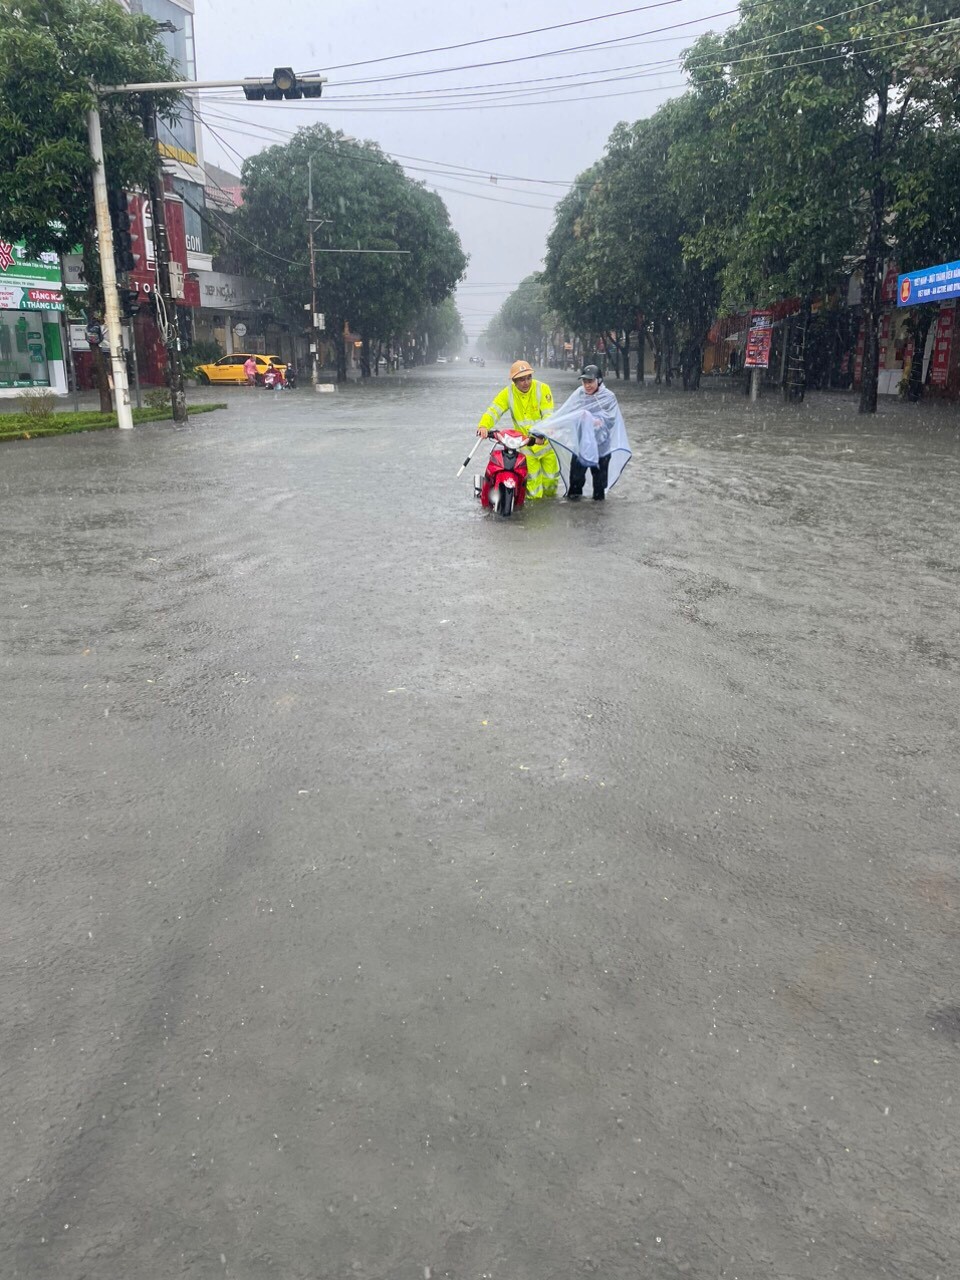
(759, 336)
(942, 345)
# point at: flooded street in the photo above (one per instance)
(396, 893)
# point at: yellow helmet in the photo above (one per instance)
(520, 369)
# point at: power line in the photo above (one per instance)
(529, 57)
(467, 44)
(383, 162)
(622, 41)
(465, 170)
(503, 101)
(642, 70)
(450, 177)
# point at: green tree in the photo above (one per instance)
(825, 117)
(522, 325)
(362, 200)
(51, 51)
(566, 276)
(440, 329)
(625, 244)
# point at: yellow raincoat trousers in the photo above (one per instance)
(527, 409)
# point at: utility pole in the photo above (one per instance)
(170, 327)
(314, 342)
(111, 300)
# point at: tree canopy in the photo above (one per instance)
(522, 325)
(51, 51)
(806, 149)
(362, 200)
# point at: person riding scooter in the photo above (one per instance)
(527, 402)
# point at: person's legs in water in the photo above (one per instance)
(534, 475)
(578, 473)
(599, 473)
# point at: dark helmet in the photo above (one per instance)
(591, 373)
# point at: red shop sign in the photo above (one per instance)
(759, 336)
(942, 345)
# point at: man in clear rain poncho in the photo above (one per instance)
(587, 431)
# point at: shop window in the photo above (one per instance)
(23, 356)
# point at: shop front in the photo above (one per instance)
(143, 335)
(231, 312)
(936, 289)
(31, 333)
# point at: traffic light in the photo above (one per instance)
(284, 84)
(129, 303)
(125, 237)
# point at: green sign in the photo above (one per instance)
(28, 284)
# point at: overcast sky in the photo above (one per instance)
(533, 133)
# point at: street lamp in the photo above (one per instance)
(283, 84)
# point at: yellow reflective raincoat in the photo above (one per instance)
(527, 408)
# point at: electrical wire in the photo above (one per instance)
(523, 86)
(386, 161)
(622, 41)
(517, 35)
(641, 70)
(529, 57)
(518, 99)
(451, 177)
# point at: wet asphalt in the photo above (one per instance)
(395, 893)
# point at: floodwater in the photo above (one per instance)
(397, 893)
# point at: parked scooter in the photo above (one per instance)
(503, 486)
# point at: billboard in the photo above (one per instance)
(929, 284)
(759, 335)
(28, 284)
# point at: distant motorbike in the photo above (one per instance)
(503, 486)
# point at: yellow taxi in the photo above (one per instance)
(230, 368)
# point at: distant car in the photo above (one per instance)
(230, 368)
(441, 359)
(478, 360)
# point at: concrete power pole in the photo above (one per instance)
(111, 300)
(161, 248)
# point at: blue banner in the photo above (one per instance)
(931, 284)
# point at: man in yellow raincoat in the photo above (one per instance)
(527, 402)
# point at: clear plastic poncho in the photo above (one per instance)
(588, 428)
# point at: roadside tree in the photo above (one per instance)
(51, 51)
(826, 116)
(362, 201)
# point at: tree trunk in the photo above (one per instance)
(692, 366)
(641, 352)
(658, 350)
(873, 270)
(341, 350)
(626, 356)
(921, 327)
(101, 375)
(364, 357)
(91, 274)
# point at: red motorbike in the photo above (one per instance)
(503, 486)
